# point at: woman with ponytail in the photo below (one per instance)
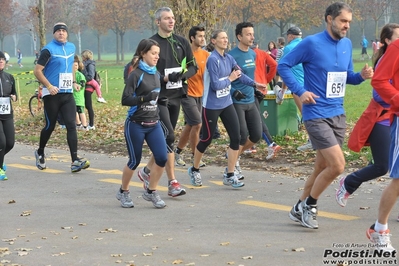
(142, 123)
(372, 129)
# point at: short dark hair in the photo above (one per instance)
(193, 31)
(242, 25)
(281, 40)
(335, 9)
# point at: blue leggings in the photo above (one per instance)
(135, 134)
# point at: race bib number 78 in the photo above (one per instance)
(5, 105)
(65, 81)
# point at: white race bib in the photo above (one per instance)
(223, 93)
(65, 81)
(173, 85)
(5, 106)
(336, 83)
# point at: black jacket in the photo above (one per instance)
(7, 87)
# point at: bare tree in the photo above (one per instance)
(118, 16)
(5, 21)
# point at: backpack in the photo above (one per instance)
(97, 77)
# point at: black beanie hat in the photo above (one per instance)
(59, 26)
(2, 55)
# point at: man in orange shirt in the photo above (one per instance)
(192, 102)
(266, 66)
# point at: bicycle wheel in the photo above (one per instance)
(35, 105)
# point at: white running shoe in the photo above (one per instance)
(341, 196)
(101, 100)
(381, 239)
(277, 92)
(306, 146)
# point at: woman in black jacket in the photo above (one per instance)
(7, 131)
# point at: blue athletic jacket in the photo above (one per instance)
(61, 61)
(319, 55)
(216, 81)
(246, 61)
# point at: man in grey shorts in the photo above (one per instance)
(322, 94)
(192, 102)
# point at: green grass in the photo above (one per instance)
(110, 117)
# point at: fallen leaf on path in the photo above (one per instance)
(9, 240)
(108, 230)
(23, 249)
(66, 227)
(23, 253)
(26, 213)
(301, 249)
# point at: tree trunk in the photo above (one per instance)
(122, 34)
(79, 38)
(2, 42)
(98, 47)
(376, 28)
(117, 46)
(42, 25)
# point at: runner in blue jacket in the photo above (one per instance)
(328, 68)
(221, 71)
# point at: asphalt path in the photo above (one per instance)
(54, 217)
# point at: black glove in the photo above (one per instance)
(175, 76)
(150, 96)
(238, 95)
(259, 95)
(236, 67)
